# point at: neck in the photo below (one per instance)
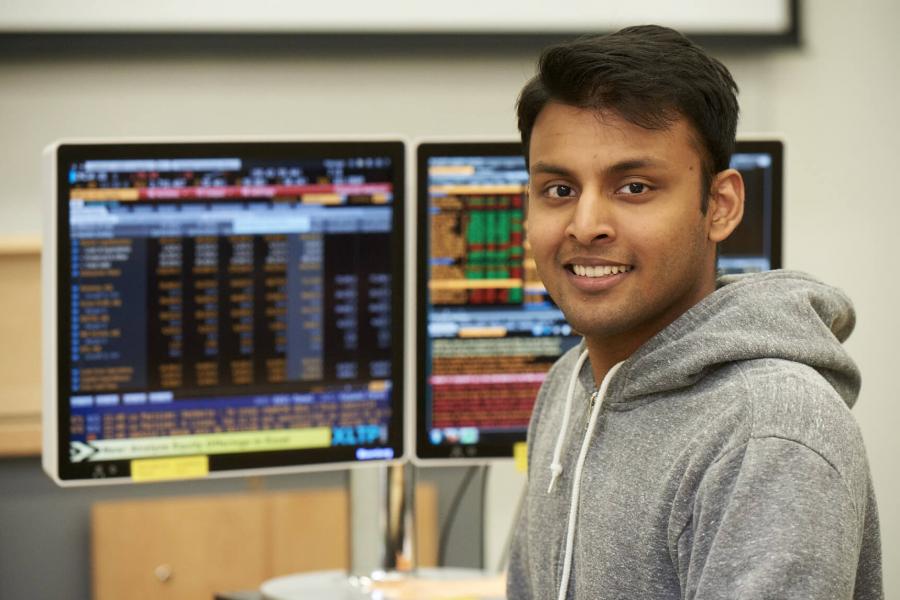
(607, 350)
(605, 353)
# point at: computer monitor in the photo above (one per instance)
(222, 308)
(487, 329)
(756, 243)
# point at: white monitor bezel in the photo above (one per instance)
(49, 304)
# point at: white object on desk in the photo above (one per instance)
(426, 584)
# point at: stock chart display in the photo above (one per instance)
(488, 331)
(491, 331)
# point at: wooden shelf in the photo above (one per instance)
(20, 244)
(20, 345)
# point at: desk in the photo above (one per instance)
(426, 584)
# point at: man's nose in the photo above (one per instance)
(592, 219)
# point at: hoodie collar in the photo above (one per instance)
(778, 314)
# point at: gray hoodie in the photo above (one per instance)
(723, 461)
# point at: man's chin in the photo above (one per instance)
(594, 329)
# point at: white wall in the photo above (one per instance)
(834, 100)
(836, 103)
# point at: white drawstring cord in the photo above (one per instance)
(555, 466)
(576, 484)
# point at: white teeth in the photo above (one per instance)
(599, 271)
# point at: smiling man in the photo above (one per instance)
(698, 443)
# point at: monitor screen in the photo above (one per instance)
(488, 331)
(756, 243)
(222, 308)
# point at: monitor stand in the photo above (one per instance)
(396, 576)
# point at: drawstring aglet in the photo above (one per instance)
(555, 469)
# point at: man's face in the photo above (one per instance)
(614, 222)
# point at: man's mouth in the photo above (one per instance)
(595, 271)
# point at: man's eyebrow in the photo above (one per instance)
(549, 169)
(633, 165)
(618, 168)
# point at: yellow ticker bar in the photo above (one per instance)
(451, 170)
(211, 443)
(327, 199)
(468, 190)
(162, 469)
(378, 385)
(473, 284)
(482, 332)
(94, 194)
(520, 456)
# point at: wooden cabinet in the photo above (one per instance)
(193, 547)
(20, 346)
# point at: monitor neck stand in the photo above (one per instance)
(394, 524)
(396, 574)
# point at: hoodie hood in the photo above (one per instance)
(778, 314)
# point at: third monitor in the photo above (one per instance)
(488, 331)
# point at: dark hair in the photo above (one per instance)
(650, 76)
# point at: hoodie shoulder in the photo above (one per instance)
(775, 315)
(794, 402)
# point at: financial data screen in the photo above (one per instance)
(488, 330)
(238, 302)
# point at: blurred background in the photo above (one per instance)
(829, 91)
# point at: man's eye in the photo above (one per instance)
(560, 191)
(634, 187)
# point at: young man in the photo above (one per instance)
(698, 443)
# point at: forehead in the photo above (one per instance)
(577, 135)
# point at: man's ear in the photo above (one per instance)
(726, 204)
